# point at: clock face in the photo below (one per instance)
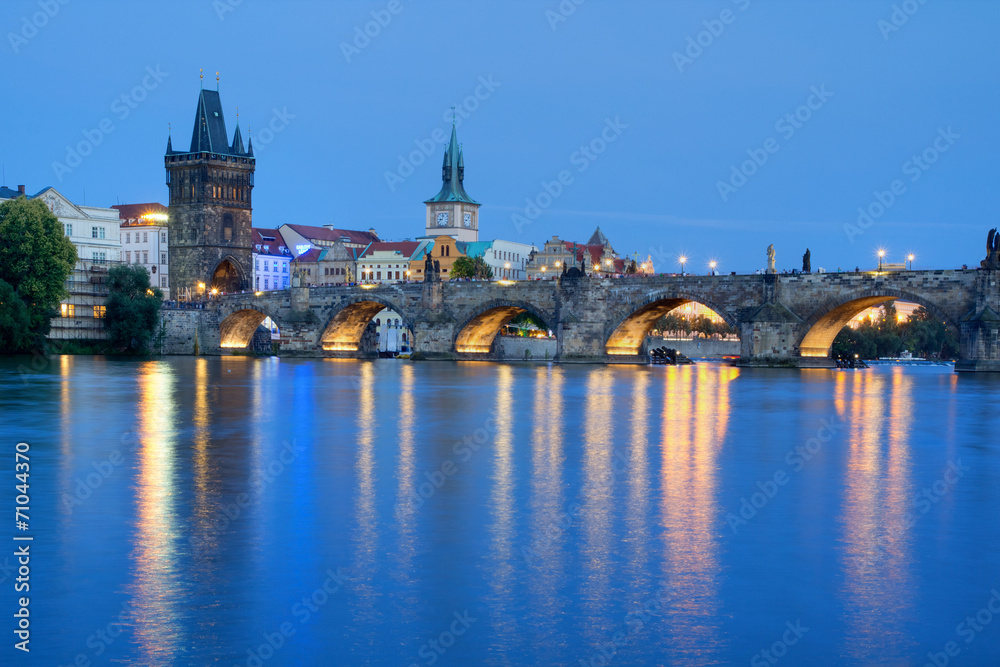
(468, 220)
(442, 219)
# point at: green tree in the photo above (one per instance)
(15, 335)
(133, 307)
(36, 258)
(471, 267)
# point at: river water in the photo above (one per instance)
(196, 511)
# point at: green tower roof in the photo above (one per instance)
(453, 174)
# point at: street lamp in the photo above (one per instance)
(910, 258)
(881, 254)
(683, 260)
(712, 266)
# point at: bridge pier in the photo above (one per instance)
(767, 338)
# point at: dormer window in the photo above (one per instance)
(258, 247)
(267, 248)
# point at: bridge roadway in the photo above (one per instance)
(782, 319)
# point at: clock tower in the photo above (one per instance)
(452, 212)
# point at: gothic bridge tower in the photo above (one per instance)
(210, 206)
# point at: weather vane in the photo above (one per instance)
(201, 76)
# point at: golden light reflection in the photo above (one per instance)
(603, 468)
(502, 502)
(156, 591)
(877, 550)
(548, 523)
(66, 423)
(637, 479)
(366, 551)
(695, 421)
(406, 492)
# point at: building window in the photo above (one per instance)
(285, 281)
(145, 257)
(163, 237)
(275, 266)
(163, 281)
(93, 232)
(68, 228)
(128, 236)
(257, 264)
(258, 282)
(378, 275)
(284, 267)
(100, 257)
(266, 284)
(163, 258)
(128, 256)
(68, 310)
(100, 312)
(145, 237)
(100, 231)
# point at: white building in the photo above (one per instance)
(507, 258)
(386, 262)
(145, 241)
(271, 260)
(393, 336)
(94, 232)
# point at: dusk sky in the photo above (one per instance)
(332, 116)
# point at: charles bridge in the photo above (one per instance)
(782, 319)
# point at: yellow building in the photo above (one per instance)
(443, 249)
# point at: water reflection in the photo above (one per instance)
(695, 421)
(157, 592)
(877, 553)
(366, 538)
(406, 490)
(502, 510)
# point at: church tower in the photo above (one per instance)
(452, 212)
(210, 189)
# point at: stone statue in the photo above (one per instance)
(428, 264)
(770, 259)
(807, 262)
(437, 267)
(992, 260)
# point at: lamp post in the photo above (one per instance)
(910, 258)
(682, 260)
(712, 266)
(506, 268)
(881, 254)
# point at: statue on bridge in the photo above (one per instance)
(770, 259)
(807, 262)
(992, 260)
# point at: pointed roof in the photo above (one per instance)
(598, 238)
(170, 148)
(453, 174)
(237, 147)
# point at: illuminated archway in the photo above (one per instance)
(828, 320)
(228, 277)
(344, 331)
(477, 334)
(629, 330)
(237, 330)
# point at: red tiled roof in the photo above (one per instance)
(274, 247)
(324, 234)
(405, 248)
(132, 212)
(595, 251)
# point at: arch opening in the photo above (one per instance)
(479, 333)
(227, 277)
(237, 330)
(629, 336)
(345, 331)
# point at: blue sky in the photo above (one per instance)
(331, 123)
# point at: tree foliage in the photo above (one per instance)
(471, 267)
(132, 308)
(15, 334)
(702, 325)
(922, 334)
(36, 259)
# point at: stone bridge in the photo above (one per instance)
(782, 320)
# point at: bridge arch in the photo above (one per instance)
(237, 329)
(229, 276)
(821, 326)
(345, 327)
(627, 330)
(476, 334)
